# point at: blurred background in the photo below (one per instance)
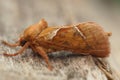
(16, 15)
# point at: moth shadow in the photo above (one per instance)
(64, 55)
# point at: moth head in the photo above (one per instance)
(32, 32)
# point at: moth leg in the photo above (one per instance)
(11, 45)
(19, 52)
(41, 51)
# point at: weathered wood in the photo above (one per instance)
(16, 15)
(65, 68)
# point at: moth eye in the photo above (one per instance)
(23, 42)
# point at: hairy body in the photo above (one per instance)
(85, 38)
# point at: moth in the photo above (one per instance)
(86, 38)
